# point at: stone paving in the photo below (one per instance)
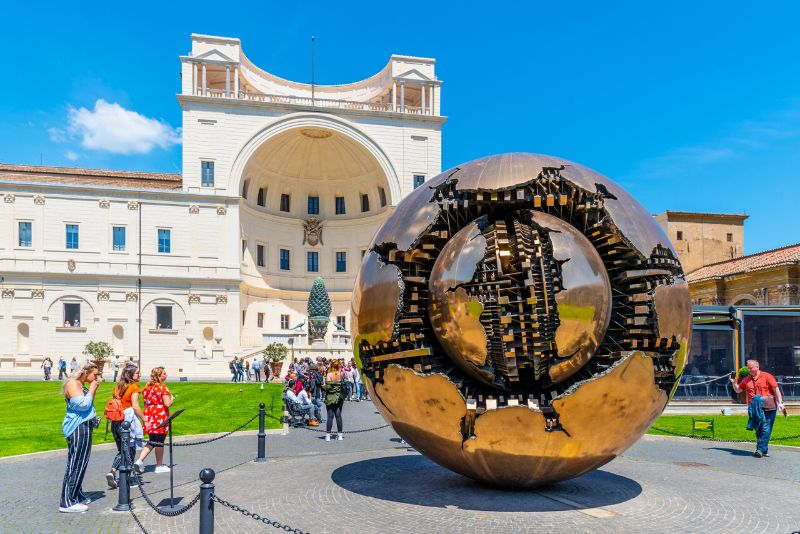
(370, 482)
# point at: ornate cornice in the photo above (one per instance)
(37, 293)
(131, 296)
(38, 200)
(133, 205)
(104, 203)
(194, 298)
(103, 295)
(9, 198)
(194, 208)
(8, 293)
(222, 298)
(222, 210)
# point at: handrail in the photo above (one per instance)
(308, 101)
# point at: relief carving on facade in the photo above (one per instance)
(38, 200)
(37, 293)
(222, 298)
(761, 295)
(312, 231)
(9, 198)
(716, 300)
(194, 208)
(194, 298)
(8, 293)
(131, 296)
(103, 295)
(788, 293)
(103, 203)
(222, 210)
(71, 265)
(133, 205)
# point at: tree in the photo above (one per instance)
(100, 350)
(275, 352)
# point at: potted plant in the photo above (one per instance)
(99, 351)
(275, 353)
(741, 397)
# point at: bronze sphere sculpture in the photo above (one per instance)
(521, 319)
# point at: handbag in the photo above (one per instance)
(768, 404)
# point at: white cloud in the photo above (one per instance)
(112, 128)
(70, 155)
(57, 135)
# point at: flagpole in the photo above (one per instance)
(312, 70)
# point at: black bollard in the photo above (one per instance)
(124, 503)
(206, 504)
(262, 435)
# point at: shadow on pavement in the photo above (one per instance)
(414, 479)
(735, 452)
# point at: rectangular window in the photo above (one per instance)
(260, 320)
(340, 320)
(419, 179)
(244, 248)
(340, 206)
(245, 188)
(313, 205)
(730, 238)
(164, 241)
(207, 176)
(25, 234)
(260, 255)
(284, 322)
(313, 262)
(364, 203)
(261, 200)
(164, 317)
(341, 262)
(72, 236)
(72, 314)
(285, 264)
(286, 202)
(382, 195)
(679, 235)
(118, 237)
(244, 316)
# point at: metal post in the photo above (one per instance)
(124, 496)
(206, 504)
(262, 435)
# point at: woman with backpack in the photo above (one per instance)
(157, 400)
(334, 399)
(124, 406)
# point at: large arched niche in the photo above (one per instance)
(308, 153)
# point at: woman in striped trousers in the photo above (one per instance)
(77, 427)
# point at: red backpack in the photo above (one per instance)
(114, 411)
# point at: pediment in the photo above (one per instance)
(413, 75)
(215, 55)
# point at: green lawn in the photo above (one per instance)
(731, 427)
(31, 412)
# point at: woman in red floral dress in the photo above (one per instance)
(157, 400)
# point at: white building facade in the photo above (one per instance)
(281, 183)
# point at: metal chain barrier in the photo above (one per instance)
(138, 523)
(344, 431)
(203, 442)
(139, 484)
(257, 517)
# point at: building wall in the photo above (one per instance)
(702, 239)
(773, 286)
(199, 278)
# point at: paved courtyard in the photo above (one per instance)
(370, 482)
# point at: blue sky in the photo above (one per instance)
(689, 105)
